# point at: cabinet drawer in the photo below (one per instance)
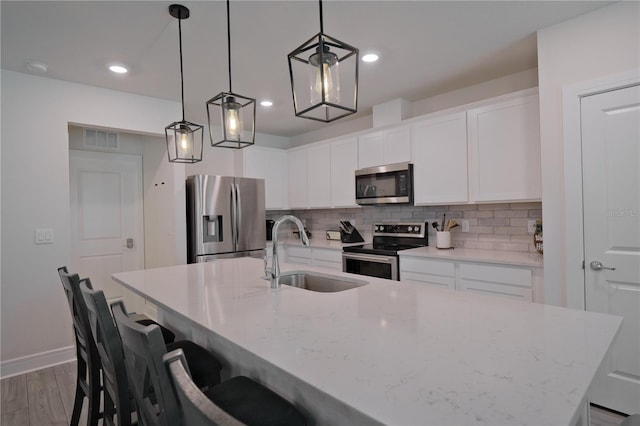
(495, 274)
(426, 266)
(513, 292)
(327, 255)
(434, 280)
(299, 260)
(330, 265)
(298, 251)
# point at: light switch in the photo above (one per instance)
(43, 236)
(465, 225)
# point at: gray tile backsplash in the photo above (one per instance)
(491, 226)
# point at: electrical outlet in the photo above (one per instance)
(531, 226)
(465, 225)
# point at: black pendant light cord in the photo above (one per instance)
(321, 20)
(181, 77)
(229, 45)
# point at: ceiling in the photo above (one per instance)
(426, 47)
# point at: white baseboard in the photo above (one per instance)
(25, 364)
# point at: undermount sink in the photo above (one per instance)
(319, 282)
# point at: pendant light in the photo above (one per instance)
(184, 139)
(324, 77)
(237, 113)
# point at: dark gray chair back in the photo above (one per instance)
(87, 357)
(196, 408)
(143, 350)
(117, 397)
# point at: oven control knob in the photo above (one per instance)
(376, 228)
(409, 229)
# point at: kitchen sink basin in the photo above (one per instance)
(319, 282)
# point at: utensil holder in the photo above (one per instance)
(443, 239)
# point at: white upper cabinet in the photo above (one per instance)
(269, 164)
(439, 156)
(384, 147)
(344, 162)
(504, 151)
(319, 176)
(297, 159)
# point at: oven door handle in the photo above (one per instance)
(370, 258)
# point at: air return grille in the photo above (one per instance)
(100, 139)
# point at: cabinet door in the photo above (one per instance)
(319, 176)
(297, 159)
(504, 141)
(370, 151)
(502, 281)
(270, 165)
(344, 162)
(327, 258)
(439, 155)
(427, 271)
(396, 145)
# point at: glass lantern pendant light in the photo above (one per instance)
(184, 139)
(237, 113)
(324, 77)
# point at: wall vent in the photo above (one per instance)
(101, 139)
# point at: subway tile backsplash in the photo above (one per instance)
(491, 226)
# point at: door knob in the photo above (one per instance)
(129, 243)
(596, 265)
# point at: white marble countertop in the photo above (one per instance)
(471, 255)
(398, 352)
(475, 255)
(317, 243)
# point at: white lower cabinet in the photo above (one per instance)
(438, 273)
(516, 282)
(314, 256)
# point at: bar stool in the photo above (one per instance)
(240, 398)
(89, 363)
(88, 360)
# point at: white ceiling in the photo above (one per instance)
(426, 47)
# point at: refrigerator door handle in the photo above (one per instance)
(234, 216)
(238, 220)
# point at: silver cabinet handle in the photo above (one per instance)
(596, 265)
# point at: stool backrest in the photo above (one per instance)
(196, 408)
(143, 351)
(71, 286)
(109, 346)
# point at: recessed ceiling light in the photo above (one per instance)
(370, 57)
(266, 103)
(118, 69)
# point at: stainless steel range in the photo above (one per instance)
(380, 258)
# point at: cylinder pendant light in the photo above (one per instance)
(237, 113)
(184, 139)
(324, 77)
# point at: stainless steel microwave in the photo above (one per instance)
(391, 184)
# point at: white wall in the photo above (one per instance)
(595, 45)
(36, 111)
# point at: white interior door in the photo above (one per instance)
(611, 194)
(106, 220)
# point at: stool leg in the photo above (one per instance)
(81, 372)
(94, 397)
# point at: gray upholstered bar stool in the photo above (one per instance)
(242, 398)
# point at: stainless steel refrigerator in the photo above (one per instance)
(225, 217)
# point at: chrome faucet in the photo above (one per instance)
(273, 273)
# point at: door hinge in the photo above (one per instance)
(583, 264)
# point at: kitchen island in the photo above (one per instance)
(388, 352)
